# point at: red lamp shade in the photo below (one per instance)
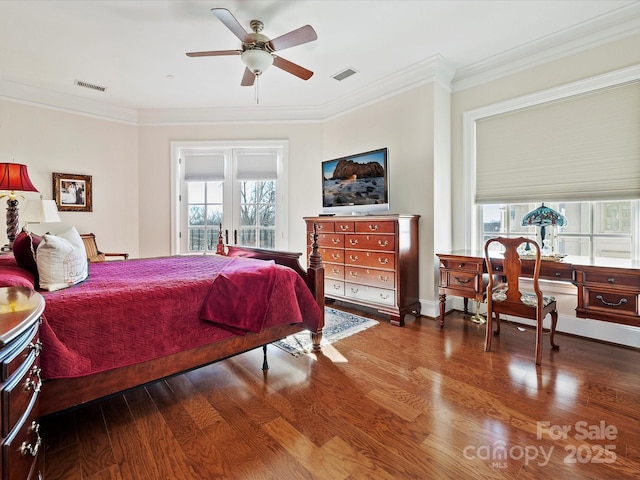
(14, 177)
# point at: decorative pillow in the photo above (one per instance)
(24, 249)
(62, 260)
(16, 277)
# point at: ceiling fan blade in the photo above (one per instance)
(248, 78)
(226, 17)
(214, 53)
(296, 37)
(292, 68)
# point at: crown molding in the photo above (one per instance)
(608, 28)
(64, 102)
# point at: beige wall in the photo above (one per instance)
(406, 124)
(305, 154)
(49, 140)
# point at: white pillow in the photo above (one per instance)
(61, 260)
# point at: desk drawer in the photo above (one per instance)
(462, 265)
(16, 358)
(19, 392)
(608, 300)
(612, 279)
(21, 449)
(462, 281)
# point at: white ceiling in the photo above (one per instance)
(137, 48)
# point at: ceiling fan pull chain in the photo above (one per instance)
(257, 90)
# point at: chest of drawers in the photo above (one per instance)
(20, 382)
(371, 261)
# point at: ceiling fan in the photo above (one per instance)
(257, 49)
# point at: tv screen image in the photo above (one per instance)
(356, 183)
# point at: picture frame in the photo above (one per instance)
(72, 192)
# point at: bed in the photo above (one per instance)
(137, 321)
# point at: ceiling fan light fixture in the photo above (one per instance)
(257, 60)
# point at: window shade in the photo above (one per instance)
(257, 166)
(203, 168)
(585, 147)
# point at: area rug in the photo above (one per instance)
(337, 325)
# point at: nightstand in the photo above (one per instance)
(20, 382)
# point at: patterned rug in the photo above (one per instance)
(337, 325)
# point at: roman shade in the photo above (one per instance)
(257, 166)
(204, 168)
(581, 148)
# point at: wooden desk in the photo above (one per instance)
(608, 289)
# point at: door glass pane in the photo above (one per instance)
(196, 215)
(574, 246)
(612, 247)
(612, 217)
(258, 210)
(205, 207)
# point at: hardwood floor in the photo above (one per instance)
(408, 402)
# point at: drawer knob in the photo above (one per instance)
(37, 347)
(335, 256)
(353, 274)
(460, 265)
(353, 241)
(558, 274)
(611, 280)
(354, 258)
(611, 304)
(335, 241)
(335, 270)
(497, 269)
(383, 261)
(462, 280)
(34, 385)
(354, 290)
(383, 243)
(336, 287)
(384, 296)
(29, 449)
(373, 228)
(384, 278)
(344, 228)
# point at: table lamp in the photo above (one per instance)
(40, 211)
(14, 178)
(543, 217)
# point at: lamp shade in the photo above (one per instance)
(544, 216)
(41, 211)
(257, 60)
(14, 177)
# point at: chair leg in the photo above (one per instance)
(554, 322)
(497, 331)
(487, 337)
(539, 340)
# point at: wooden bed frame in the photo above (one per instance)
(64, 393)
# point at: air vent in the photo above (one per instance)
(346, 73)
(92, 86)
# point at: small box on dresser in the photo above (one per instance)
(20, 382)
(371, 260)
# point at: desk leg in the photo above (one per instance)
(466, 305)
(443, 300)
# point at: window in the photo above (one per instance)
(239, 188)
(595, 229)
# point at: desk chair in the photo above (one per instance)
(95, 255)
(509, 300)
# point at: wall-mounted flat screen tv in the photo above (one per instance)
(356, 184)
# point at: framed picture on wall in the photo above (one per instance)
(72, 192)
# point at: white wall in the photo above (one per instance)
(48, 140)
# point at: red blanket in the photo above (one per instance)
(132, 311)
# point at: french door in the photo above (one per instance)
(235, 190)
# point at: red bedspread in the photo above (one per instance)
(132, 311)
